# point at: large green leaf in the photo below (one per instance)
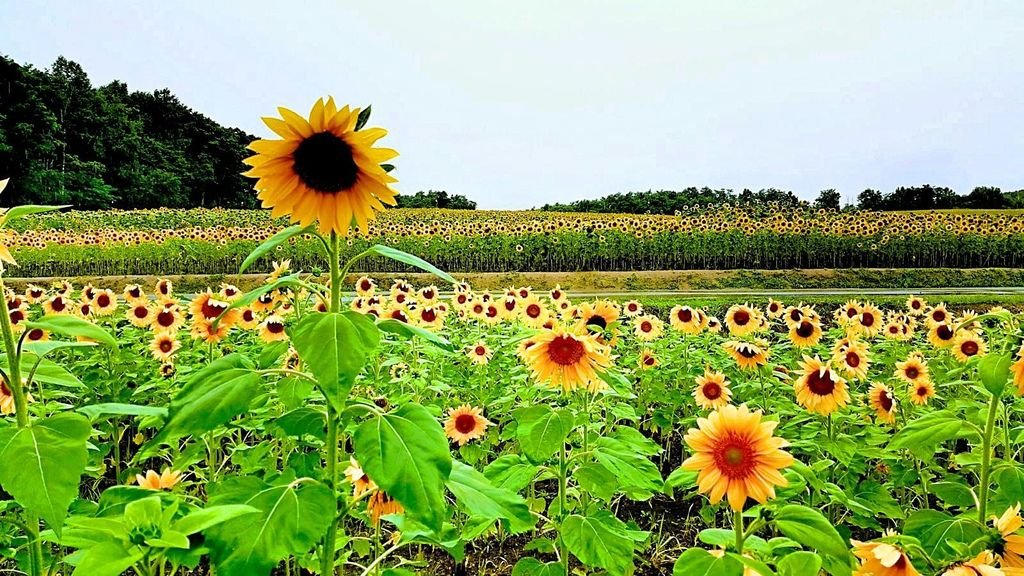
(938, 530)
(212, 397)
(700, 562)
(810, 528)
(28, 210)
(1010, 491)
(635, 473)
(542, 431)
(923, 434)
(110, 558)
(41, 465)
(73, 326)
(406, 453)
(408, 331)
(94, 411)
(600, 540)
(533, 567)
(511, 471)
(211, 516)
(799, 564)
(334, 346)
(273, 242)
(480, 499)
(994, 370)
(44, 371)
(292, 517)
(406, 258)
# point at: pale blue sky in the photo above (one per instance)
(518, 103)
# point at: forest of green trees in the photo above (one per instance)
(63, 141)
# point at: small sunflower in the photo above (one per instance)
(736, 456)
(647, 359)
(942, 335)
(913, 369)
(648, 328)
(687, 320)
(272, 329)
(921, 391)
(854, 360)
(748, 356)
(465, 423)
(742, 319)
(632, 309)
(916, 305)
(880, 559)
(569, 360)
(712, 391)
(163, 481)
(140, 314)
(805, 333)
(967, 345)
(163, 346)
(324, 169)
(479, 353)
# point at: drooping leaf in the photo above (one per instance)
(542, 431)
(408, 331)
(212, 397)
(334, 346)
(17, 212)
(923, 434)
(480, 499)
(938, 530)
(273, 242)
(110, 558)
(406, 453)
(638, 475)
(994, 370)
(406, 258)
(41, 465)
(291, 518)
(810, 528)
(74, 327)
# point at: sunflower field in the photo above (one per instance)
(312, 426)
(217, 241)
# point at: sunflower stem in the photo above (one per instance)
(986, 457)
(331, 442)
(737, 524)
(563, 552)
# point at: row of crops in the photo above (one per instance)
(216, 241)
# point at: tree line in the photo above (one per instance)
(925, 197)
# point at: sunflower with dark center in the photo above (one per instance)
(922, 391)
(736, 456)
(804, 334)
(819, 389)
(465, 423)
(883, 402)
(164, 346)
(748, 356)
(712, 391)
(942, 335)
(567, 360)
(854, 360)
(647, 359)
(479, 353)
(272, 329)
(325, 169)
(741, 319)
(967, 345)
(599, 315)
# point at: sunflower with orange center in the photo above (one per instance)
(465, 423)
(324, 169)
(1012, 546)
(883, 402)
(880, 559)
(712, 391)
(736, 456)
(819, 389)
(567, 359)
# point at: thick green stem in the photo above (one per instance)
(327, 554)
(986, 457)
(563, 469)
(737, 524)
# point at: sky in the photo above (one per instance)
(520, 103)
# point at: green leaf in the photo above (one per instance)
(405, 258)
(27, 210)
(512, 471)
(799, 564)
(364, 117)
(334, 346)
(292, 518)
(44, 348)
(41, 465)
(596, 480)
(1010, 491)
(74, 327)
(937, 530)
(408, 331)
(699, 562)
(94, 411)
(756, 565)
(211, 516)
(107, 559)
(406, 453)
(303, 421)
(542, 431)
(211, 398)
(480, 499)
(44, 371)
(810, 528)
(273, 242)
(599, 540)
(533, 567)
(994, 370)
(923, 434)
(954, 494)
(634, 471)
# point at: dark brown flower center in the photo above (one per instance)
(597, 320)
(165, 318)
(565, 350)
(211, 309)
(325, 163)
(821, 384)
(805, 330)
(885, 400)
(429, 315)
(969, 348)
(912, 372)
(141, 312)
(712, 391)
(166, 345)
(685, 315)
(533, 310)
(646, 326)
(867, 319)
(465, 423)
(103, 300)
(944, 332)
(852, 359)
(741, 317)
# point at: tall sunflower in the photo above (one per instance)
(568, 360)
(324, 169)
(736, 456)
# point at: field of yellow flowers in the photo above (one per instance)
(306, 426)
